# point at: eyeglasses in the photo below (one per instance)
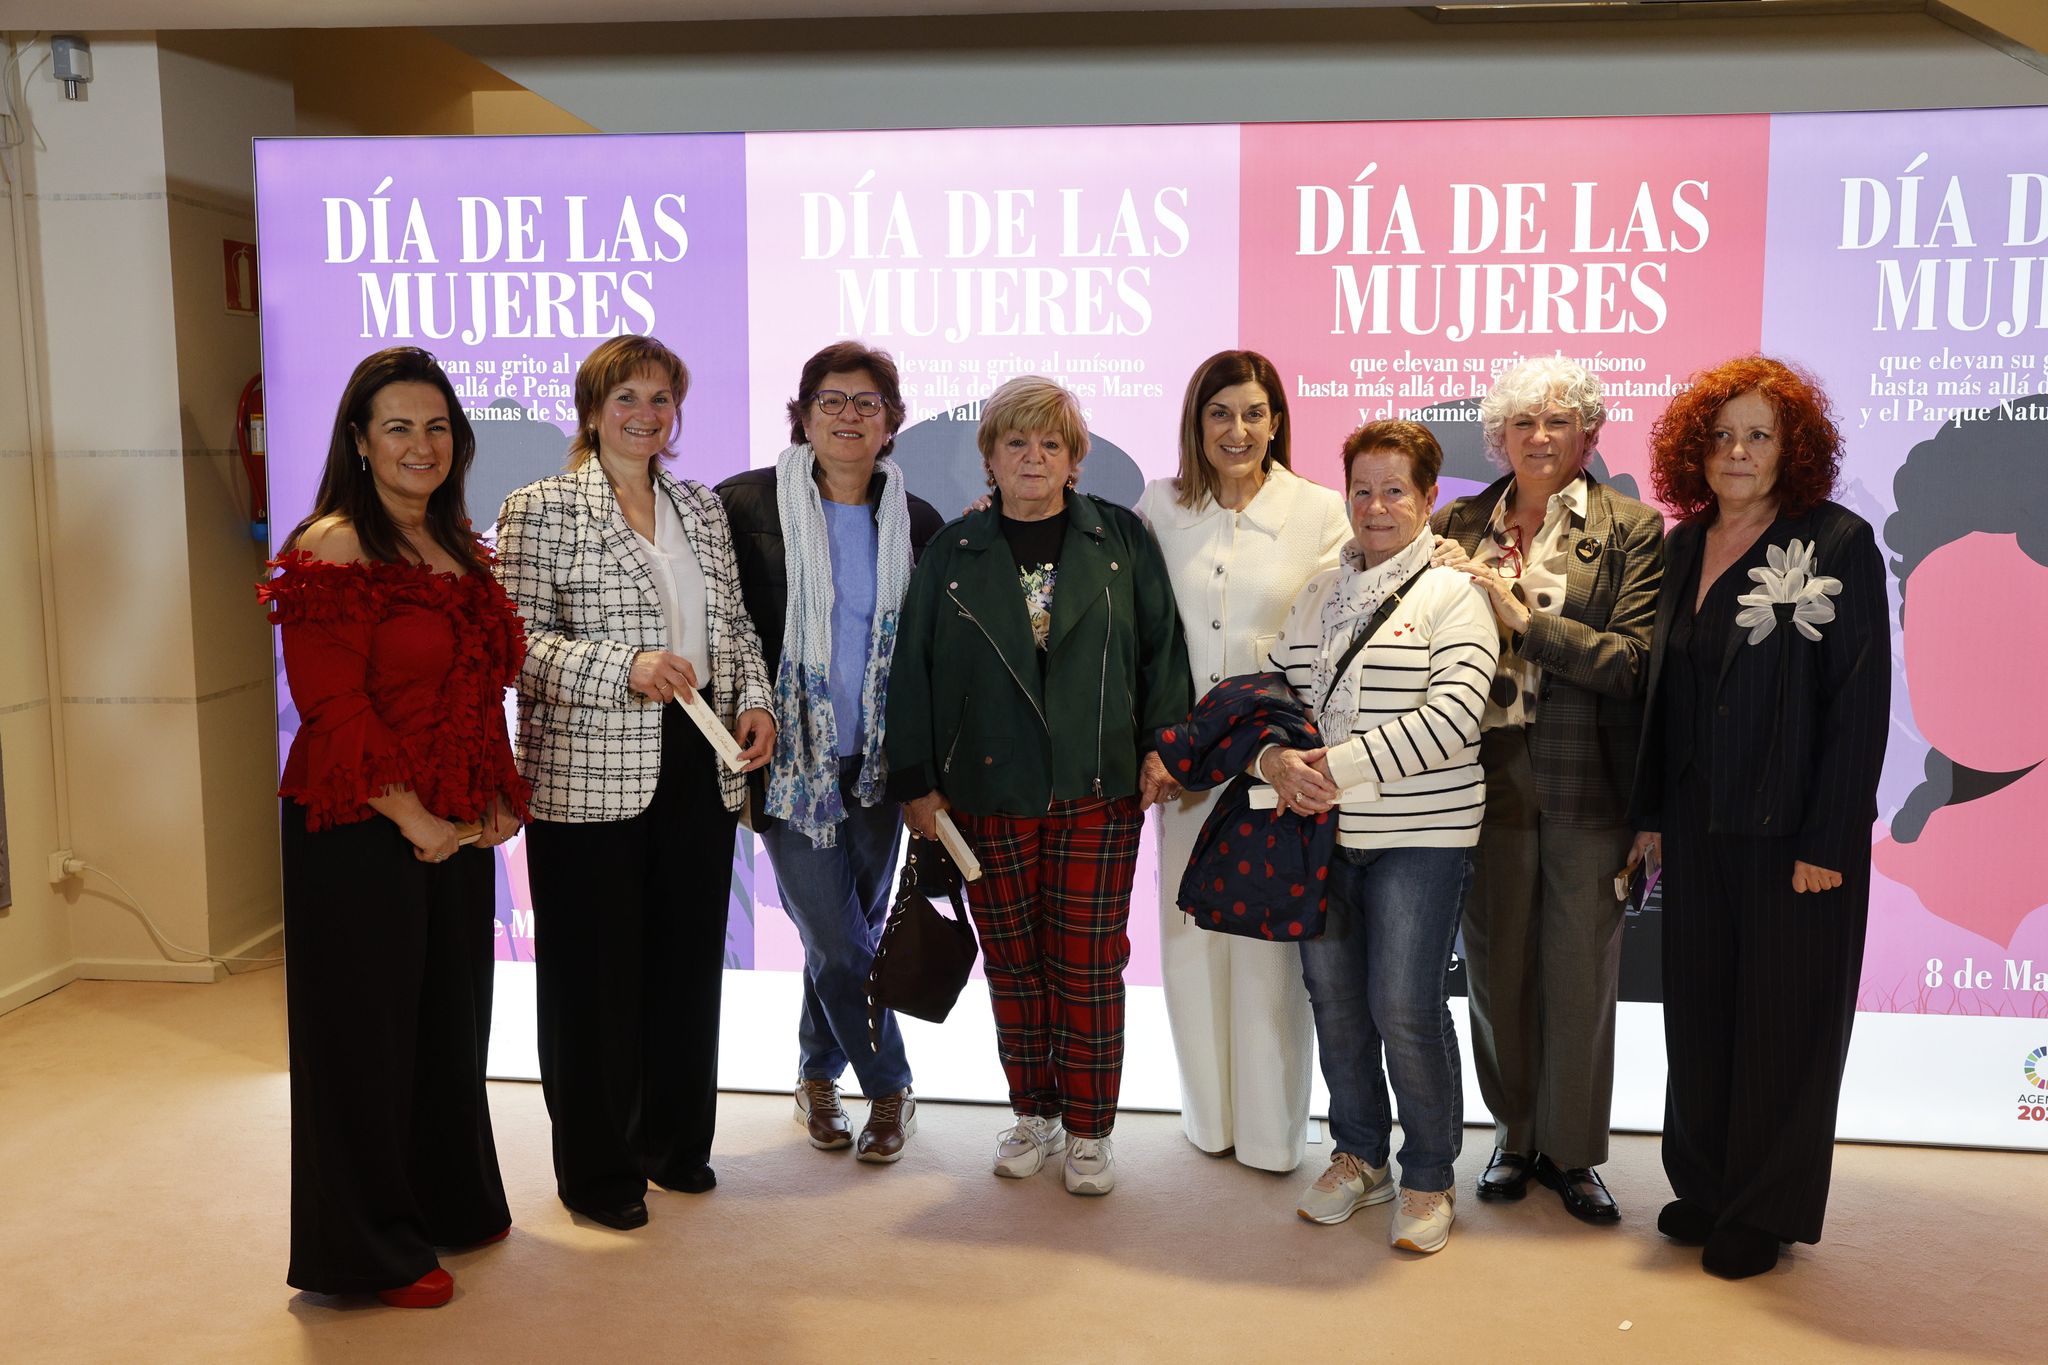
(1509, 541)
(832, 402)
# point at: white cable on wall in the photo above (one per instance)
(78, 865)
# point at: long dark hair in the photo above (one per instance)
(347, 489)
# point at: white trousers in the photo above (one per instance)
(1239, 1012)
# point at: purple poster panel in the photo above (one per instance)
(509, 259)
(1907, 266)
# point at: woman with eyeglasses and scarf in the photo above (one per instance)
(825, 541)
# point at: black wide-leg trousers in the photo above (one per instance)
(1759, 996)
(629, 953)
(388, 972)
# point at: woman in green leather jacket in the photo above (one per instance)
(1040, 654)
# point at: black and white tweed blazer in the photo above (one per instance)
(589, 744)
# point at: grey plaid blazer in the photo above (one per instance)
(591, 746)
(1594, 654)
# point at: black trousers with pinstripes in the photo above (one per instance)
(1759, 997)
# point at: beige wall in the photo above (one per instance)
(1247, 66)
(388, 82)
(167, 696)
(123, 580)
(219, 91)
(35, 932)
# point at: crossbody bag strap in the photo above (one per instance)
(1367, 631)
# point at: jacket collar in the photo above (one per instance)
(596, 491)
(979, 530)
(1086, 566)
(1577, 495)
(1266, 513)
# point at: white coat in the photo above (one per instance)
(1239, 1013)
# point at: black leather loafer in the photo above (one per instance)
(619, 1217)
(696, 1182)
(1584, 1193)
(1507, 1175)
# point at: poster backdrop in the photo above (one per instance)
(1389, 269)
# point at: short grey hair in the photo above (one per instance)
(1532, 386)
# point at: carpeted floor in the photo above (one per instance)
(143, 1134)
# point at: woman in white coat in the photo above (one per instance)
(1241, 534)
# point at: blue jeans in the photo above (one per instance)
(1376, 981)
(839, 899)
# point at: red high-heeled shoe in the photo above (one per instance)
(430, 1290)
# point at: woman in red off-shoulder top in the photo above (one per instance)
(398, 647)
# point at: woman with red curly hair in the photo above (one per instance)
(1769, 689)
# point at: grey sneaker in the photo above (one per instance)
(1022, 1148)
(1423, 1222)
(1348, 1186)
(1091, 1166)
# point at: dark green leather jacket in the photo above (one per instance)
(968, 712)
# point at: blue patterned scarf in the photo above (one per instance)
(803, 775)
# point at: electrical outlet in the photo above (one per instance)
(59, 871)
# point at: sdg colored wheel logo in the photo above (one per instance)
(2036, 1068)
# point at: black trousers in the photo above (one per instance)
(1759, 997)
(629, 950)
(388, 972)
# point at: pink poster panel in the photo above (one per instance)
(1104, 258)
(1394, 269)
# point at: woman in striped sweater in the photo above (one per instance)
(1401, 776)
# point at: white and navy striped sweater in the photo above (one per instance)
(1422, 682)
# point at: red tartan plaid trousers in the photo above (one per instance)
(1053, 908)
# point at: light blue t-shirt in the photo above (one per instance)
(852, 529)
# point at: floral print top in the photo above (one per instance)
(1037, 581)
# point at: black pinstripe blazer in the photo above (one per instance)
(1593, 653)
(1799, 727)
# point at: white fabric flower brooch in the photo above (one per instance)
(1788, 590)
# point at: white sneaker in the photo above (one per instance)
(1023, 1148)
(1423, 1222)
(1348, 1186)
(1091, 1166)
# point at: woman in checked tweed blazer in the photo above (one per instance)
(626, 578)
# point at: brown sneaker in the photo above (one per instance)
(891, 1121)
(823, 1117)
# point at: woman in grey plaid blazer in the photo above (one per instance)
(1572, 570)
(625, 576)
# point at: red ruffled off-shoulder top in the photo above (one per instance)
(399, 675)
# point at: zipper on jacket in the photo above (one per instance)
(1006, 663)
(958, 731)
(1102, 688)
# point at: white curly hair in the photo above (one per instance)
(1533, 385)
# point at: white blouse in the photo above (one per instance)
(679, 583)
(1235, 574)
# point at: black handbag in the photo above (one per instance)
(925, 956)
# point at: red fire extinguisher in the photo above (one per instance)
(249, 435)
